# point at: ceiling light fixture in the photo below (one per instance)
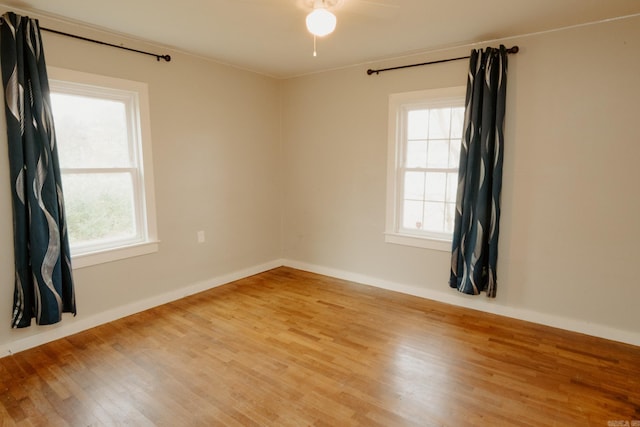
(320, 22)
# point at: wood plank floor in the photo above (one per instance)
(293, 348)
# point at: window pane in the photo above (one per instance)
(457, 122)
(412, 215)
(414, 185)
(434, 216)
(439, 123)
(438, 153)
(452, 187)
(91, 132)
(436, 187)
(99, 207)
(416, 154)
(417, 124)
(454, 153)
(449, 219)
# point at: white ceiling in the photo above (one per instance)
(269, 36)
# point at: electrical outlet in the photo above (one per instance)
(201, 236)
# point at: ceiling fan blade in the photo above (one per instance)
(371, 8)
(374, 3)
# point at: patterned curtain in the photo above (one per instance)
(43, 280)
(475, 238)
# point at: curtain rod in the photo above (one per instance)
(158, 57)
(513, 49)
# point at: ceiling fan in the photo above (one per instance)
(321, 21)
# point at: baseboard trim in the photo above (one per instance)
(484, 304)
(64, 329)
(72, 326)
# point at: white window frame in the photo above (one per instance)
(399, 104)
(135, 95)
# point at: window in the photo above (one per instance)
(425, 130)
(103, 137)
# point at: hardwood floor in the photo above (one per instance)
(293, 348)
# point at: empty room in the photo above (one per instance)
(320, 213)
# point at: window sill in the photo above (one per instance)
(109, 255)
(418, 242)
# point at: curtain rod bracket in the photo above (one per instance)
(514, 49)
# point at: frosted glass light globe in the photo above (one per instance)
(321, 22)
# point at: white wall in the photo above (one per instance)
(216, 156)
(571, 204)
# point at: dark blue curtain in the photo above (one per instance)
(43, 280)
(475, 238)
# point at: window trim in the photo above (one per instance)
(70, 81)
(398, 104)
